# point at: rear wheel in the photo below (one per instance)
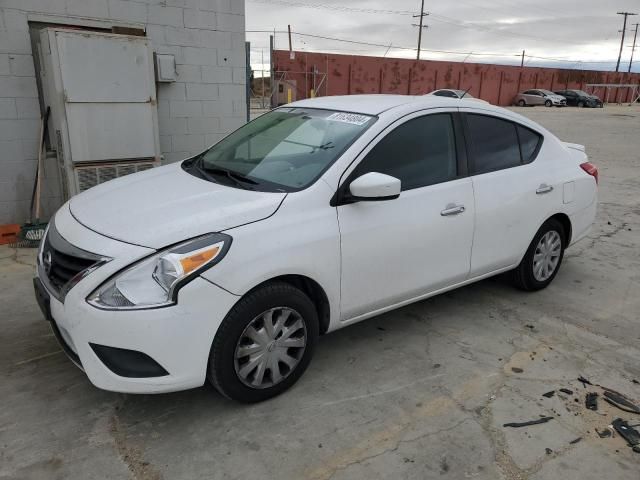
(543, 258)
(548, 103)
(522, 103)
(265, 343)
(580, 104)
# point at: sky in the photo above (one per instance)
(560, 33)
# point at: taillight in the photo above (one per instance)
(591, 169)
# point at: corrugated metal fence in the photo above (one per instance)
(333, 74)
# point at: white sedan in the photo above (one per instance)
(229, 265)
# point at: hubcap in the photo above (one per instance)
(270, 348)
(547, 256)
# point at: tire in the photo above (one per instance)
(225, 370)
(524, 276)
(581, 104)
(548, 103)
(522, 103)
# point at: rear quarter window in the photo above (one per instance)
(530, 143)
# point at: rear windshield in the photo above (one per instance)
(284, 150)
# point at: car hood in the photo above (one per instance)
(556, 97)
(166, 205)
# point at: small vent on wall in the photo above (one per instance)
(90, 176)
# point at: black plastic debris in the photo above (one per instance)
(529, 423)
(591, 401)
(577, 440)
(549, 394)
(620, 401)
(548, 451)
(604, 433)
(631, 435)
(517, 370)
(635, 381)
(584, 381)
(567, 391)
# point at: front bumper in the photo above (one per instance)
(177, 338)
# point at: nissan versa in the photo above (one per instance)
(229, 265)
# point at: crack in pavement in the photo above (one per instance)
(130, 455)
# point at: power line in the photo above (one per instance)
(449, 52)
(436, 16)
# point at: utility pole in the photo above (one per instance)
(522, 61)
(292, 55)
(420, 27)
(633, 46)
(624, 30)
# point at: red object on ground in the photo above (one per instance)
(9, 233)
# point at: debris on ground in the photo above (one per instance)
(631, 435)
(529, 423)
(577, 440)
(604, 433)
(584, 381)
(567, 391)
(548, 451)
(591, 401)
(517, 370)
(620, 401)
(549, 394)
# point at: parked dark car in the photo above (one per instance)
(578, 98)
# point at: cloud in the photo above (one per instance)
(584, 31)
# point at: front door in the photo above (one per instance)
(397, 250)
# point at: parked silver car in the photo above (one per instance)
(540, 97)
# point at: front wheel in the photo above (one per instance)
(543, 258)
(264, 344)
(581, 104)
(522, 103)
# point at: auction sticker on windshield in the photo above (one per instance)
(352, 118)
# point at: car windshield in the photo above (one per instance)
(582, 92)
(284, 150)
(547, 92)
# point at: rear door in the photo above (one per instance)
(396, 250)
(513, 191)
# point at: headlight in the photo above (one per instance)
(155, 281)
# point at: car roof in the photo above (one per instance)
(377, 104)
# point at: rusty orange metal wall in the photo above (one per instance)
(498, 84)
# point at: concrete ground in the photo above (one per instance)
(419, 393)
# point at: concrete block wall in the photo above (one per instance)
(206, 102)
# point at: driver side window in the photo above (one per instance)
(420, 152)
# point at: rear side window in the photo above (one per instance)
(494, 143)
(419, 152)
(529, 143)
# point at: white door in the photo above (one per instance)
(514, 190)
(396, 250)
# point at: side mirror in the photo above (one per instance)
(374, 186)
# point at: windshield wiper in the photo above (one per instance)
(235, 177)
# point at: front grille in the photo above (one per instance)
(62, 265)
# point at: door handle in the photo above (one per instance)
(452, 210)
(544, 188)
